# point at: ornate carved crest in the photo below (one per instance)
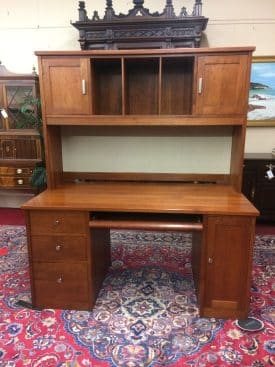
(140, 28)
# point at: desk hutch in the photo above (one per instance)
(69, 224)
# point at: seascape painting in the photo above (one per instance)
(261, 106)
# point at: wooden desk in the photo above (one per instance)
(69, 246)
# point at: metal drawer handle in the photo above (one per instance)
(200, 86)
(60, 279)
(20, 182)
(56, 222)
(19, 170)
(58, 248)
(83, 86)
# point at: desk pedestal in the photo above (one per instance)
(70, 257)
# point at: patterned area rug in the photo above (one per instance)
(145, 315)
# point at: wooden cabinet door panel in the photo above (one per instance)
(67, 86)
(222, 85)
(265, 198)
(228, 264)
(8, 150)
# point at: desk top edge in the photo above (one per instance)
(153, 51)
(144, 197)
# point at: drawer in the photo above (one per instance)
(58, 285)
(59, 248)
(16, 171)
(57, 221)
(8, 181)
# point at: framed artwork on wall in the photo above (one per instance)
(261, 104)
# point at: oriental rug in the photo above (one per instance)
(145, 315)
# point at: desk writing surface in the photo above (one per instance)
(145, 197)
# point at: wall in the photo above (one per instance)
(32, 25)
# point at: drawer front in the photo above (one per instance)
(8, 181)
(58, 285)
(50, 222)
(16, 171)
(59, 248)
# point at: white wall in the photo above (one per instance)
(32, 25)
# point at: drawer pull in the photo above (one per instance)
(19, 170)
(58, 248)
(56, 222)
(200, 86)
(253, 192)
(210, 260)
(83, 86)
(59, 280)
(20, 182)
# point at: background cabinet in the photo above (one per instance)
(20, 146)
(257, 186)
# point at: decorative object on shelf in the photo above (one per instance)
(269, 173)
(140, 28)
(261, 107)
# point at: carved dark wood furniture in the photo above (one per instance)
(140, 28)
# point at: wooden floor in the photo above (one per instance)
(14, 198)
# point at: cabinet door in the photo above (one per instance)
(229, 244)
(66, 85)
(16, 96)
(221, 85)
(265, 199)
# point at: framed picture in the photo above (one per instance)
(261, 104)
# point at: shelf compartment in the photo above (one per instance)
(177, 85)
(107, 86)
(141, 86)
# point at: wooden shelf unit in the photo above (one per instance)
(174, 87)
(203, 88)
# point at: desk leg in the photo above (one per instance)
(196, 262)
(100, 259)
